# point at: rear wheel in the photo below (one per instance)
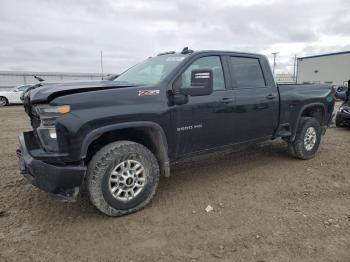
(122, 178)
(3, 101)
(307, 139)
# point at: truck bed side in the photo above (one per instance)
(296, 100)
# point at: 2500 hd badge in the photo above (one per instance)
(185, 128)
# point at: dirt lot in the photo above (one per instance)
(267, 207)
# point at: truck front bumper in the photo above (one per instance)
(63, 181)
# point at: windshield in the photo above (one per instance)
(21, 88)
(152, 70)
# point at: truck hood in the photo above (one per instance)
(44, 92)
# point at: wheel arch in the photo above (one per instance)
(316, 110)
(147, 133)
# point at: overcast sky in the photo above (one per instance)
(67, 35)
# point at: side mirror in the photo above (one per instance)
(201, 83)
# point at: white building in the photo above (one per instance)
(331, 68)
(9, 79)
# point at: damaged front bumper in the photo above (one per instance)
(63, 181)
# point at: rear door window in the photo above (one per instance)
(247, 72)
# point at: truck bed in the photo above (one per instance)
(294, 97)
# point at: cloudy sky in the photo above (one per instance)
(68, 35)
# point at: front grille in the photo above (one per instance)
(34, 118)
(31, 112)
(35, 122)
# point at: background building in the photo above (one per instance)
(331, 68)
(285, 78)
(10, 79)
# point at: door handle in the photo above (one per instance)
(226, 100)
(270, 96)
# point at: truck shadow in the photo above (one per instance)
(224, 165)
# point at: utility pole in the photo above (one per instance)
(295, 67)
(101, 65)
(274, 62)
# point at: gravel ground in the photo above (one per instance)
(267, 206)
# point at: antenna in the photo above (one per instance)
(186, 51)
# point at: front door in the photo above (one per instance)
(202, 122)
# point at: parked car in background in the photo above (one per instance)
(12, 96)
(343, 115)
(341, 92)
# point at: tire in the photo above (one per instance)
(3, 101)
(338, 121)
(116, 168)
(310, 130)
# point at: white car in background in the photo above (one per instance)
(12, 96)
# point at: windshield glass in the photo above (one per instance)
(152, 70)
(21, 88)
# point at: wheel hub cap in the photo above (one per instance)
(127, 180)
(310, 138)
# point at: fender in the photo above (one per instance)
(96, 133)
(301, 112)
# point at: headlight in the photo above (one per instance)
(47, 130)
(48, 114)
(52, 111)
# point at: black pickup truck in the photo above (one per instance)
(118, 136)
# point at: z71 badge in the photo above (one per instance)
(154, 92)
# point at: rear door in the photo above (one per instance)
(256, 101)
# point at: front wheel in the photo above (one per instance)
(307, 139)
(3, 101)
(122, 178)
